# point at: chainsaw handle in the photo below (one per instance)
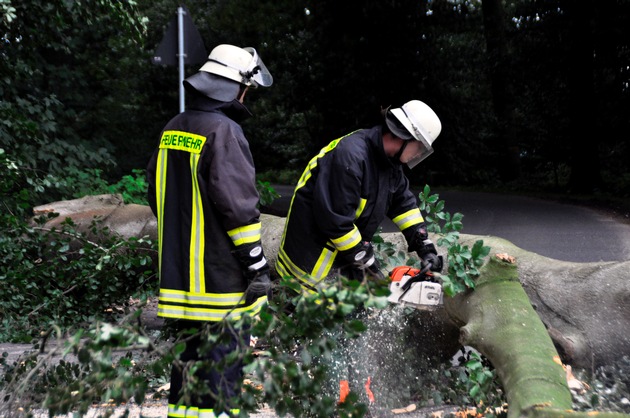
(418, 277)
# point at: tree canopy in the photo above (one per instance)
(531, 93)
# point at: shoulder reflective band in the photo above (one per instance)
(182, 141)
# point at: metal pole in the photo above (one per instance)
(180, 56)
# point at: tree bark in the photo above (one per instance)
(498, 320)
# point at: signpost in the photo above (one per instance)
(181, 44)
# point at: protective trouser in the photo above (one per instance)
(226, 383)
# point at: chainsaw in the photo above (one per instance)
(417, 288)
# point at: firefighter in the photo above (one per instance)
(203, 192)
(348, 189)
(342, 197)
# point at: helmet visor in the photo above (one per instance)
(416, 159)
(257, 73)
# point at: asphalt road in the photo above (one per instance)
(555, 230)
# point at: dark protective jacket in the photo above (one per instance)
(202, 189)
(344, 194)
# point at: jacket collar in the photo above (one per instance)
(235, 110)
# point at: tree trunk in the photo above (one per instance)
(498, 320)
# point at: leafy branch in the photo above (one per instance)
(463, 262)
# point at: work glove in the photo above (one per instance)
(424, 247)
(255, 269)
(259, 286)
(361, 257)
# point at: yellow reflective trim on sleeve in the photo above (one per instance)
(348, 240)
(197, 235)
(409, 218)
(360, 208)
(182, 141)
(160, 192)
(246, 234)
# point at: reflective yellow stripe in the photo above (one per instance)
(197, 236)
(360, 208)
(324, 263)
(347, 241)
(166, 310)
(160, 191)
(182, 141)
(177, 411)
(183, 297)
(409, 218)
(246, 234)
(287, 268)
(306, 175)
(313, 162)
(284, 266)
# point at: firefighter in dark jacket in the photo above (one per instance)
(342, 197)
(348, 189)
(203, 192)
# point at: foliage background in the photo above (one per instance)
(532, 96)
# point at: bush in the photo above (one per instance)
(62, 276)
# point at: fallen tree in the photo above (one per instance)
(520, 316)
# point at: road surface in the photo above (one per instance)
(555, 230)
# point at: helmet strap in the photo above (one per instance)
(241, 93)
(400, 151)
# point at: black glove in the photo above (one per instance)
(424, 247)
(436, 262)
(258, 287)
(361, 257)
(255, 268)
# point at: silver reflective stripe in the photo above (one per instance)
(323, 265)
(208, 314)
(221, 299)
(409, 218)
(295, 271)
(245, 234)
(348, 240)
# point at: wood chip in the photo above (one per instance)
(506, 257)
(405, 410)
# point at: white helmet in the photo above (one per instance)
(228, 67)
(415, 120)
(242, 65)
